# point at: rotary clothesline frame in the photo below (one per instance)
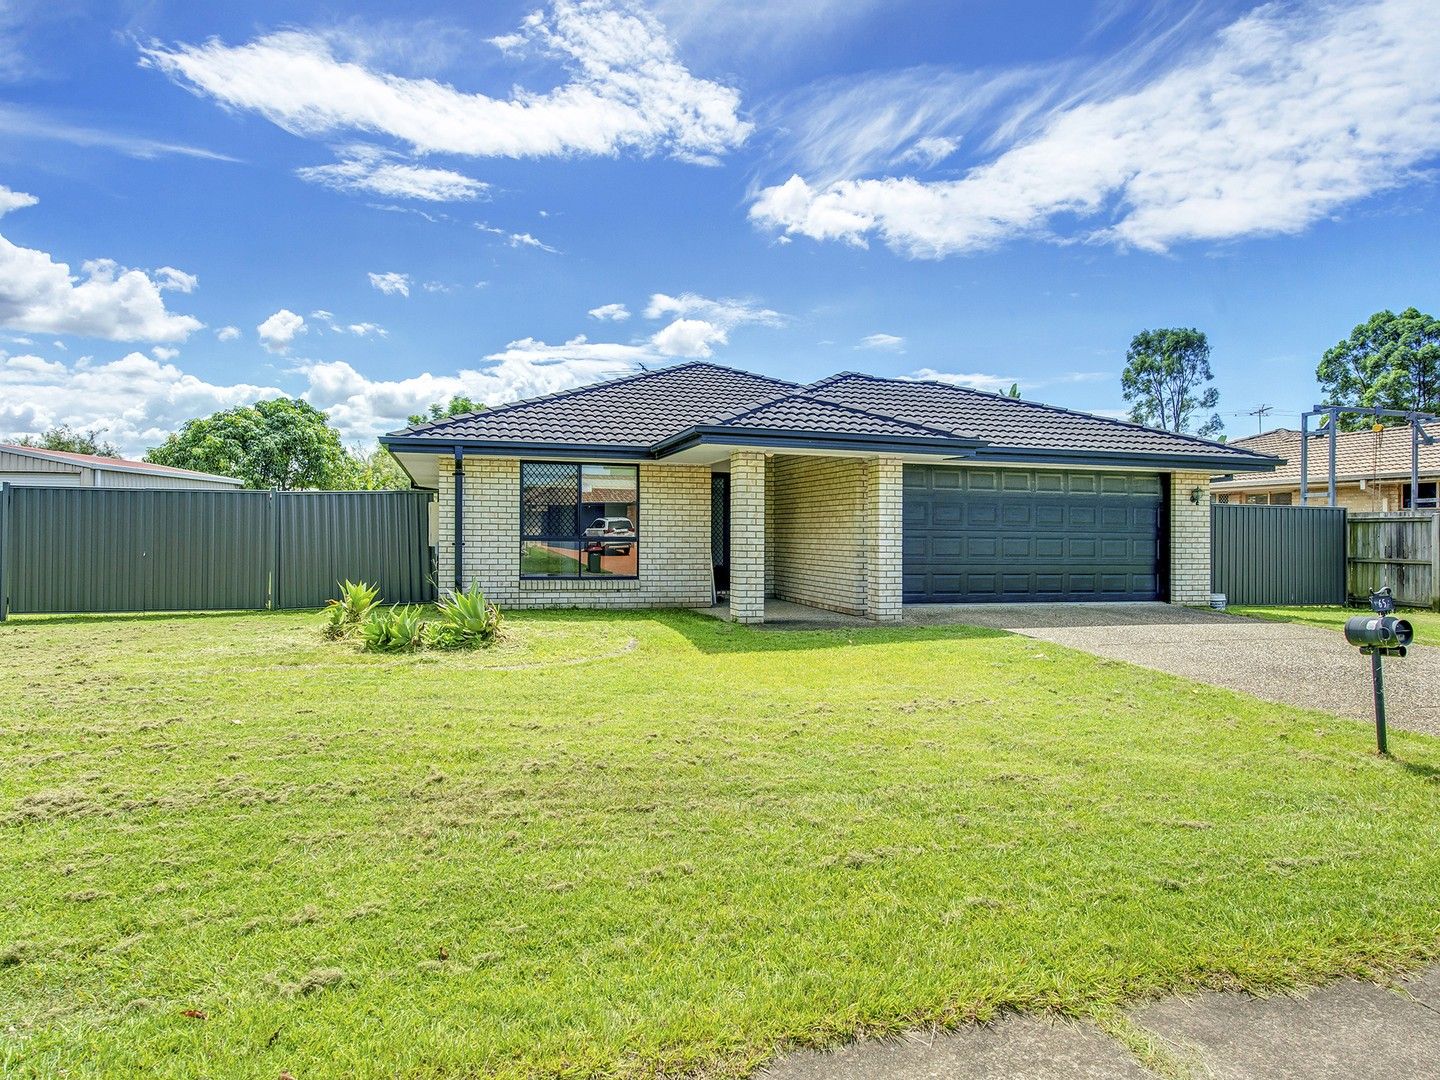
(1334, 412)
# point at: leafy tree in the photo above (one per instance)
(71, 441)
(438, 410)
(284, 443)
(1165, 380)
(1389, 361)
(374, 471)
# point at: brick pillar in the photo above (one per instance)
(747, 536)
(1189, 538)
(884, 498)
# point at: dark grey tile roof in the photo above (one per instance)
(1006, 421)
(640, 411)
(636, 410)
(805, 412)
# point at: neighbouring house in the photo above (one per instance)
(31, 466)
(1372, 469)
(855, 493)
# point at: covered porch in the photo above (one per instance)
(808, 537)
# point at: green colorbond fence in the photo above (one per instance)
(1277, 554)
(98, 550)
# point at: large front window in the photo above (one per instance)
(579, 520)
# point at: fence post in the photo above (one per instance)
(273, 527)
(1434, 560)
(4, 551)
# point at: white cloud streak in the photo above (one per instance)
(882, 343)
(390, 283)
(627, 91)
(370, 171)
(1262, 132)
(610, 313)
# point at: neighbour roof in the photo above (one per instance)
(1359, 455)
(98, 461)
(658, 412)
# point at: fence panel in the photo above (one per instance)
(1398, 549)
(99, 550)
(1277, 554)
(382, 537)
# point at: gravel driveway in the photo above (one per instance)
(1284, 662)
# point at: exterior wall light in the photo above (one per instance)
(1197, 495)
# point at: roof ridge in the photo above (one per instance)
(874, 415)
(576, 391)
(1046, 407)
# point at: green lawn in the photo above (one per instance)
(1426, 623)
(634, 845)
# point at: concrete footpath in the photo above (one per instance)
(1345, 1031)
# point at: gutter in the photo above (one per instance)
(459, 519)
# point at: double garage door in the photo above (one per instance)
(976, 535)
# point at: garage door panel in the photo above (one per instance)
(1004, 535)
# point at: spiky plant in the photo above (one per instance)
(397, 629)
(354, 605)
(467, 620)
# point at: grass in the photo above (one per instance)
(652, 844)
(1426, 623)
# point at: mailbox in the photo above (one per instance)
(1379, 632)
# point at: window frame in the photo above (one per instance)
(581, 520)
(1425, 502)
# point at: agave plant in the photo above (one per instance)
(467, 620)
(355, 603)
(397, 629)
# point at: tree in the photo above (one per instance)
(71, 441)
(1014, 391)
(376, 471)
(1165, 377)
(284, 443)
(438, 410)
(1389, 361)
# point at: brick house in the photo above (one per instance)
(1372, 469)
(855, 494)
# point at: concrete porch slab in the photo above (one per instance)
(784, 615)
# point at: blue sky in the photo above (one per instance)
(377, 205)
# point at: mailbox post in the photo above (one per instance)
(1379, 636)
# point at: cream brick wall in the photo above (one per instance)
(769, 524)
(837, 534)
(820, 532)
(747, 536)
(675, 569)
(1189, 539)
(884, 514)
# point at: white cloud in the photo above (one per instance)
(929, 151)
(376, 172)
(277, 333)
(692, 338)
(515, 240)
(725, 313)
(745, 27)
(164, 354)
(610, 313)
(358, 329)
(700, 323)
(133, 401)
(14, 200)
(627, 91)
(977, 380)
(1261, 132)
(365, 329)
(362, 407)
(105, 300)
(882, 342)
(167, 277)
(228, 333)
(390, 283)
